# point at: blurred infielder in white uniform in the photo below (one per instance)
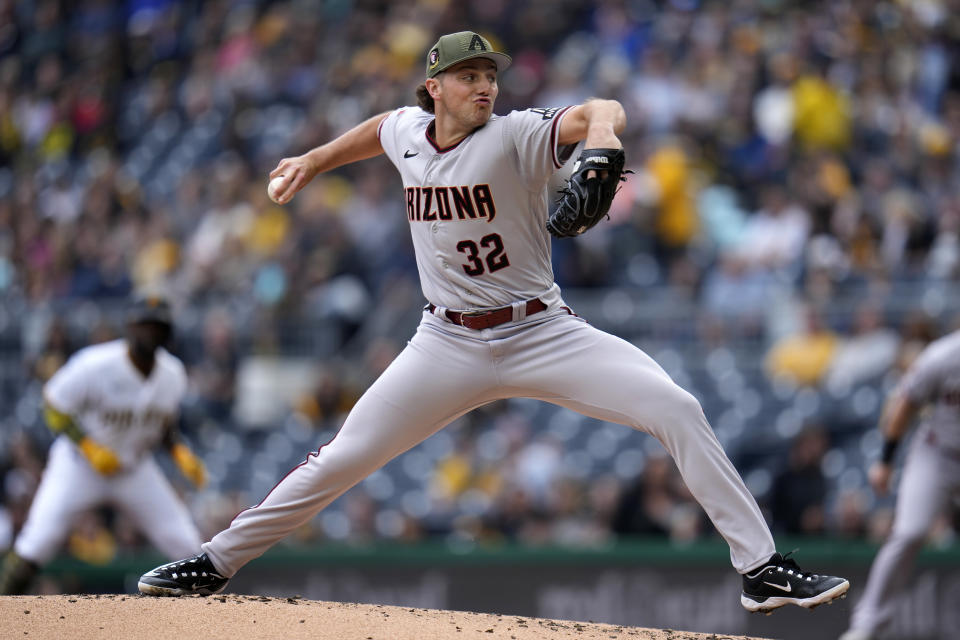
(111, 404)
(930, 479)
(475, 195)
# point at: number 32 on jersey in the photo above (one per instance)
(493, 259)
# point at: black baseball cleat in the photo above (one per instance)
(195, 575)
(780, 581)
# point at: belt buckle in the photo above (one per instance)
(467, 318)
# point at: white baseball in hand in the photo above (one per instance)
(273, 189)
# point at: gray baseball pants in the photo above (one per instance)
(447, 370)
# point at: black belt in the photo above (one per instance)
(492, 318)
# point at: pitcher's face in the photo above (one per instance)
(467, 91)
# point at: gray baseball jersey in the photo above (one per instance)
(930, 479)
(477, 212)
(480, 243)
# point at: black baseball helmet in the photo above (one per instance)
(149, 308)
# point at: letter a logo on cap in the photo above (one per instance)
(463, 45)
(476, 42)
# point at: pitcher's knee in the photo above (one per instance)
(676, 414)
(685, 406)
(336, 468)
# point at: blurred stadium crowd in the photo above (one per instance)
(788, 243)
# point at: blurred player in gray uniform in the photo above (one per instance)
(110, 405)
(930, 479)
(476, 197)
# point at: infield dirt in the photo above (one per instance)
(236, 617)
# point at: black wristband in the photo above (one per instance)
(889, 449)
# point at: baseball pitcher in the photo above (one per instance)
(930, 479)
(110, 405)
(495, 325)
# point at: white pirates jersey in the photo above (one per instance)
(108, 397)
(934, 380)
(478, 209)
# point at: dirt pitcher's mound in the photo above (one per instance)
(234, 617)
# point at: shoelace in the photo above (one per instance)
(175, 567)
(791, 566)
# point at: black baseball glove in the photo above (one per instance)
(584, 201)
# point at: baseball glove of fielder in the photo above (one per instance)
(584, 201)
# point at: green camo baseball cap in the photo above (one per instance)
(457, 47)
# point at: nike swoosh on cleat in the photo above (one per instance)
(407, 154)
(787, 587)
